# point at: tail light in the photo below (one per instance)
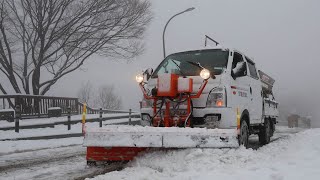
(217, 98)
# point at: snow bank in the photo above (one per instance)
(295, 157)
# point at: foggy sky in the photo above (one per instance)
(282, 37)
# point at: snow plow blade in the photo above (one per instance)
(123, 143)
(160, 137)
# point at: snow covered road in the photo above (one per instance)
(65, 159)
(295, 156)
(67, 162)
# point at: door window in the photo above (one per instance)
(252, 69)
(237, 59)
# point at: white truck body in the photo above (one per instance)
(217, 91)
(248, 93)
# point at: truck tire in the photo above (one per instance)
(244, 134)
(91, 163)
(273, 127)
(265, 132)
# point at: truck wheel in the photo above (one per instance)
(91, 163)
(265, 133)
(244, 134)
(273, 127)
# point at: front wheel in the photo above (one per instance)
(91, 163)
(265, 132)
(244, 134)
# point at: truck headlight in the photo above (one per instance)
(205, 74)
(217, 98)
(139, 78)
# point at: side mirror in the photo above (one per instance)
(148, 72)
(240, 70)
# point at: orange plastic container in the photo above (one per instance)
(185, 85)
(167, 85)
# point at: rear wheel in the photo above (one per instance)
(265, 132)
(244, 134)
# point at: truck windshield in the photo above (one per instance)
(179, 63)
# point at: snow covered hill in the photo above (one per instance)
(294, 157)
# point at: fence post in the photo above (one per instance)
(17, 118)
(130, 111)
(84, 112)
(69, 117)
(100, 117)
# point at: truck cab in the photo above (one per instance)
(235, 97)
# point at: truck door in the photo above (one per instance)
(240, 95)
(255, 91)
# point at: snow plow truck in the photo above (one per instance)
(207, 98)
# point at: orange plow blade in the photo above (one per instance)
(123, 143)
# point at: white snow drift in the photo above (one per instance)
(295, 157)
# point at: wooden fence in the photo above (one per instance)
(104, 111)
(37, 106)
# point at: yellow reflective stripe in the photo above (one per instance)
(238, 118)
(85, 108)
(84, 112)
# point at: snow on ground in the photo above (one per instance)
(294, 157)
(28, 145)
(53, 163)
(7, 147)
(58, 129)
(285, 129)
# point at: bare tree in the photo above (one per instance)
(85, 93)
(57, 36)
(107, 98)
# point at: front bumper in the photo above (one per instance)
(227, 117)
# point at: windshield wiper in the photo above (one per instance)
(195, 64)
(178, 68)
